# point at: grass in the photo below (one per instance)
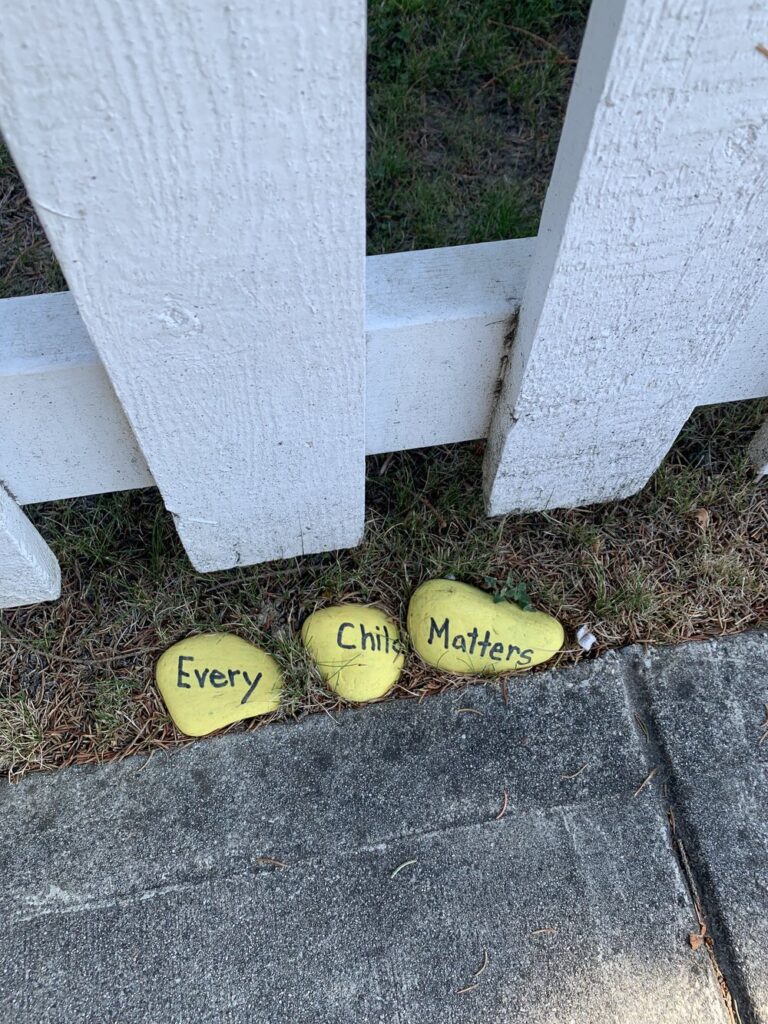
(78, 674)
(465, 105)
(465, 108)
(27, 265)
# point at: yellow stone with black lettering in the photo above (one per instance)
(357, 648)
(458, 628)
(214, 679)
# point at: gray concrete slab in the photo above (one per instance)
(706, 706)
(136, 893)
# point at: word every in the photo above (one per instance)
(470, 643)
(216, 678)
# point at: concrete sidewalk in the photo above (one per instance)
(147, 892)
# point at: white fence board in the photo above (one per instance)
(435, 326)
(64, 433)
(743, 370)
(651, 253)
(758, 451)
(199, 170)
(29, 571)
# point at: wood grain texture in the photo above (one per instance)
(650, 257)
(199, 169)
(436, 321)
(743, 370)
(64, 432)
(758, 451)
(435, 325)
(29, 571)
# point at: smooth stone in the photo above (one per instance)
(357, 648)
(458, 628)
(214, 679)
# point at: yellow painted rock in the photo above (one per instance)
(209, 681)
(357, 648)
(459, 628)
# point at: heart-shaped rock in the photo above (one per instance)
(214, 679)
(458, 628)
(357, 648)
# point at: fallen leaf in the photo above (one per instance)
(697, 938)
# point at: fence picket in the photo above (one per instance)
(29, 571)
(650, 254)
(199, 169)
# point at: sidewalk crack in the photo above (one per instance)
(713, 934)
(703, 937)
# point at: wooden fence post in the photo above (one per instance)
(199, 169)
(758, 450)
(29, 571)
(652, 249)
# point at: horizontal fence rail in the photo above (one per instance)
(436, 323)
(435, 329)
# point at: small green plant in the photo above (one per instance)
(509, 590)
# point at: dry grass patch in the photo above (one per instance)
(684, 559)
(465, 106)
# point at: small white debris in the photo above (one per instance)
(758, 451)
(585, 639)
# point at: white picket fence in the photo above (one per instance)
(198, 166)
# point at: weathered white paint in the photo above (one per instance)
(743, 370)
(650, 257)
(758, 451)
(435, 331)
(435, 325)
(63, 432)
(29, 571)
(436, 321)
(199, 169)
